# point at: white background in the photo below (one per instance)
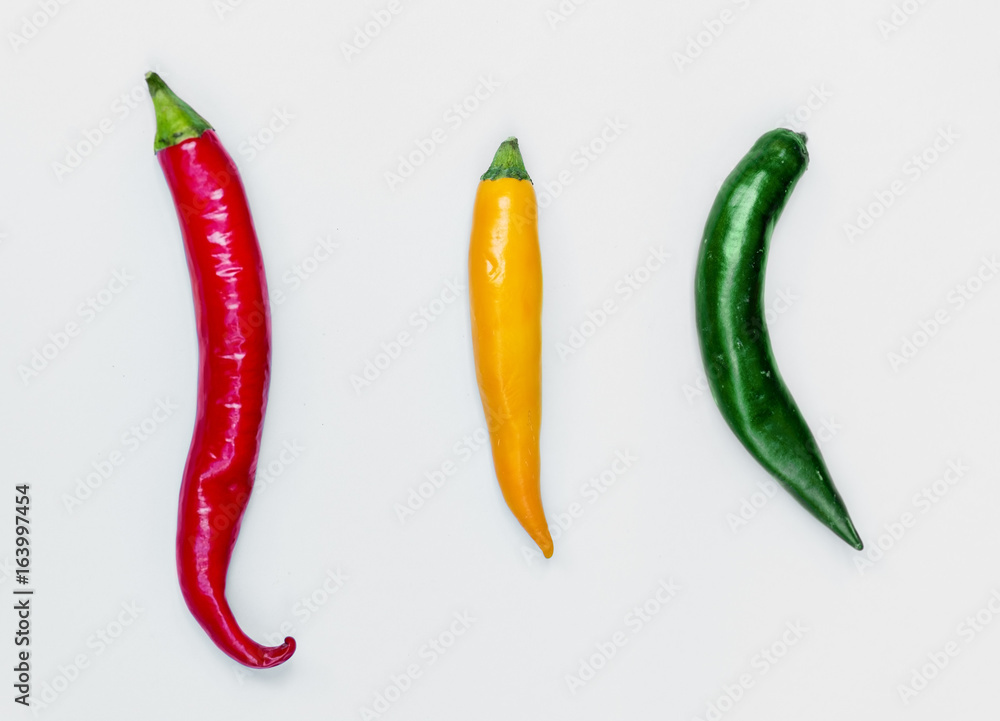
(879, 97)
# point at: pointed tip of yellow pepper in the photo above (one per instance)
(546, 545)
(541, 537)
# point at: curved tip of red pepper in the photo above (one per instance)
(275, 655)
(229, 637)
(254, 655)
(206, 599)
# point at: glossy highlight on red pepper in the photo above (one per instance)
(233, 325)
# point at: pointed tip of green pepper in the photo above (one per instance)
(844, 528)
(176, 121)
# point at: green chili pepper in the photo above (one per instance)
(736, 350)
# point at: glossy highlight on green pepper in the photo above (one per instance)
(732, 331)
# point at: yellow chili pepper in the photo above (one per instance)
(505, 293)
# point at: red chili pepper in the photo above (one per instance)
(233, 322)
